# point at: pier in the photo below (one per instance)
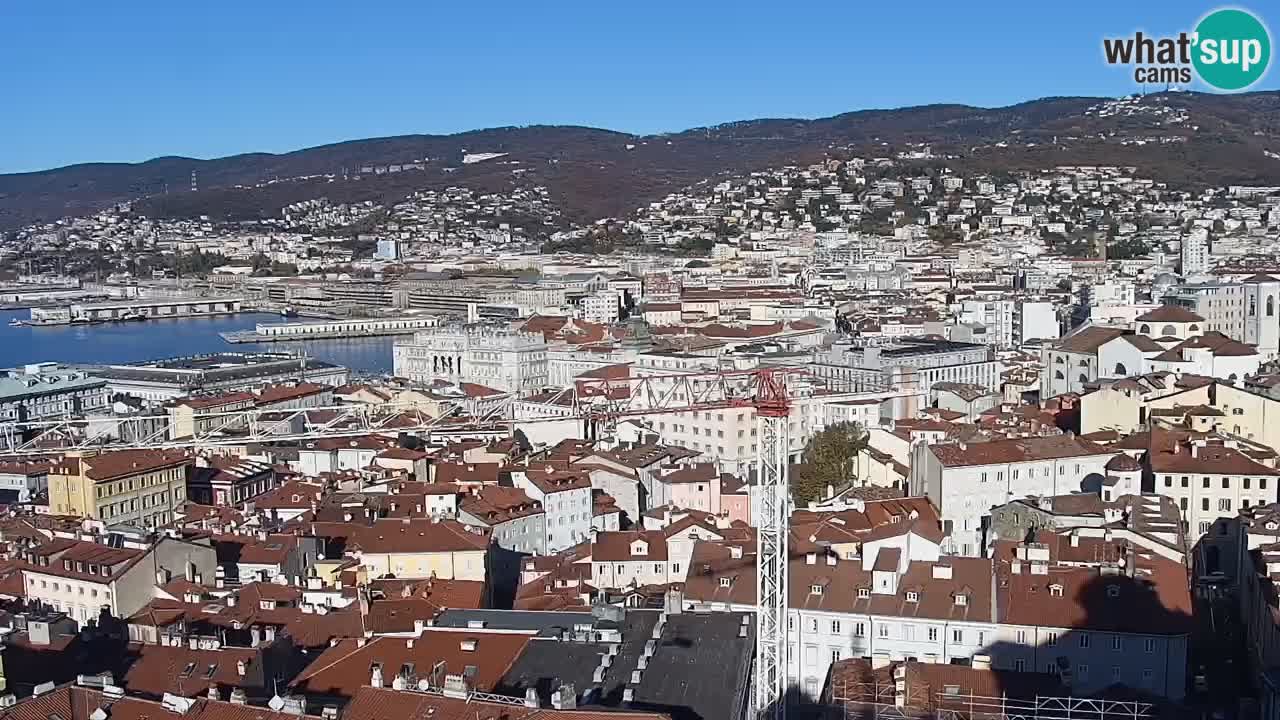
(136, 309)
(332, 329)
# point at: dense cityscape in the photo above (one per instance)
(877, 435)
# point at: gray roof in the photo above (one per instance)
(44, 383)
(699, 670)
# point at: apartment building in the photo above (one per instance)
(633, 558)
(229, 481)
(204, 414)
(142, 488)
(964, 480)
(413, 548)
(81, 578)
(1061, 605)
(566, 500)
(1208, 479)
(513, 519)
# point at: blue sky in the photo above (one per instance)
(97, 81)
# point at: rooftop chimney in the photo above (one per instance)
(565, 698)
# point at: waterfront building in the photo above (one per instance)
(157, 381)
(489, 355)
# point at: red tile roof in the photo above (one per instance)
(344, 668)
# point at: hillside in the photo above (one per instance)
(1182, 138)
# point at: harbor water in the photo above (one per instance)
(113, 343)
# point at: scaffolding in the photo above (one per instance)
(875, 700)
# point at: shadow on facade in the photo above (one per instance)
(1132, 662)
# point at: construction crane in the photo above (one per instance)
(598, 402)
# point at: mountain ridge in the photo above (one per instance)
(596, 172)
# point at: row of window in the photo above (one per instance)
(1206, 482)
(1031, 473)
(658, 568)
(932, 633)
(68, 587)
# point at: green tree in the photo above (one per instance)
(828, 459)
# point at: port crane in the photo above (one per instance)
(597, 402)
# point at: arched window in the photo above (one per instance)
(1193, 328)
(1120, 370)
(1084, 362)
(1271, 305)
(1083, 378)
(1059, 376)
(1145, 329)
(1169, 331)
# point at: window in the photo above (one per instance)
(1020, 665)
(883, 631)
(859, 629)
(725, 582)
(1022, 637)
(957, 636)
(863, 593)
(1084, 640)
(1224, 504)
(813, 625)
(1082, 672)
(913, 596)
(1204, 504)
(1246, 483)
(1115, 673)
(1149, 645)
(1204, 482)
(1053, 638)
(835, 627)
(815, 589)
(933, 634)
(1226, 483)
(1117, 643)
(835, 655)
(1168, 481)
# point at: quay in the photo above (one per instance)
(332, 329)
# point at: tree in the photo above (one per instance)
(828, 459)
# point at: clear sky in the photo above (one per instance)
(103, 81)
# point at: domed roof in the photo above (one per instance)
(1123, 463)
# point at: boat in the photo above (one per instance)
(81, 321)
(132, 317)
(289, 313)
(16, 323)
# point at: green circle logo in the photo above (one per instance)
(1233, 49)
